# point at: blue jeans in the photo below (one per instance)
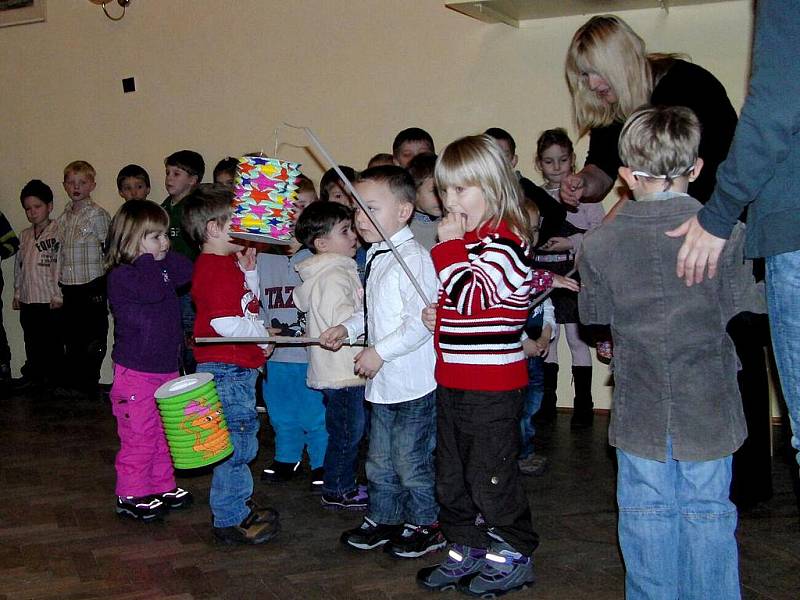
(783, 301)
(232, 482)
(676, 528)
(344, 420)
(296, 412)
(400, 467)
(533, 400)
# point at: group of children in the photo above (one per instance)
(436, 325)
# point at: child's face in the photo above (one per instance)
(409, 150)
(155, 243)
(134, 188)
(303, 199)
(556, 162)
(79, 186)
(36, 211)
(469, 201)
(428, 199)
(339, 240)
(505, 146)
(392, 213)
(224, 178)
(178, 182)
(336, 193)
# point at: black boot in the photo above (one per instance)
(547, 411)
(583, 411)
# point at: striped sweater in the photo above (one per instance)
(487, 288)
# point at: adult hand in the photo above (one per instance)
(452, 227)
(557, 244)
(699, 249)
(573, 187)
(560, 281)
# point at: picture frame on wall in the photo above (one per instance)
(21, 12)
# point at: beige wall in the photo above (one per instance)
(218, 76)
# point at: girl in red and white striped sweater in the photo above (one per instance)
(484, 265)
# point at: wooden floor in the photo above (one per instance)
(60, 538)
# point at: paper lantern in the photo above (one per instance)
(263, 209)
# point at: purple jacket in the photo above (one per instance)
(147, 316)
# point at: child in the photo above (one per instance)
(484, 265)
(9, 243)
(410, 142)
(306, 194)
(398, 364)
(427, 206)
(36, 292)
(83, 227)
(225, 291)
(555, 159)
(296, 412)
(225, 171)
(133, 183)
(381, 158)
(331, 187)
(330, 293)
(143, 276)
(677, 410)
(184, 170)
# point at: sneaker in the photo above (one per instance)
(177, 499)
(416, 541)
(281, 472)
(262, 514)
(146, 508)
(504, 570)
(535, 465)
(250, 531)
(461, 561)
(356, 499)
(369, 535)
(317, 480)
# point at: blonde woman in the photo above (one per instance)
(610, 74)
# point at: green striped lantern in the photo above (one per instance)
(194, 423)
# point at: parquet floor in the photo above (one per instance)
(60, 538)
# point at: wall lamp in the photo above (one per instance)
(122, 3)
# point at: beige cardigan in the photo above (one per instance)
(330, 293)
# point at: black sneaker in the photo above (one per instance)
(177, 499)
(265, 514)
(281, 472)
(250, 531)
(146, 508)
(317, 480)
(369, 535)
(354, 500)
(416, 541)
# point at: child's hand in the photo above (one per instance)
(15, 304)
(429, 317)
(367, 363)
(559, 281)
(557, 244)
(333, 337)
(573, 186)
(247, 259)
(267, 349)
(452, 227)
(56, 303)
(542, 346)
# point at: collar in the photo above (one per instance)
(424, 217)
(658, 196)
(397, 239)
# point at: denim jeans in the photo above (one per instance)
(232, 482)
(783, 302)
(676, 528)
(533, 400)
(344, 420)
(400, 468)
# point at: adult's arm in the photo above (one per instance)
(768, 122)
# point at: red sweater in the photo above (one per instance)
(487, 287)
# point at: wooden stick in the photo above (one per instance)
(545, 294)
(270, 339)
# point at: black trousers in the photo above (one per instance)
(478, 441)
(85, 315)
(44, 344)
(5, 351)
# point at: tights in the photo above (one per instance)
(581, 355)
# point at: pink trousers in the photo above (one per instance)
(143, 464)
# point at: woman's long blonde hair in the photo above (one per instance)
(479, 161)
(607, 46)
(134, 220)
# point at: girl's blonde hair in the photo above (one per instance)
(607, 46)
(134, 220)
(479, 161)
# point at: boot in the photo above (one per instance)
(583, 407)
(547, 410)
